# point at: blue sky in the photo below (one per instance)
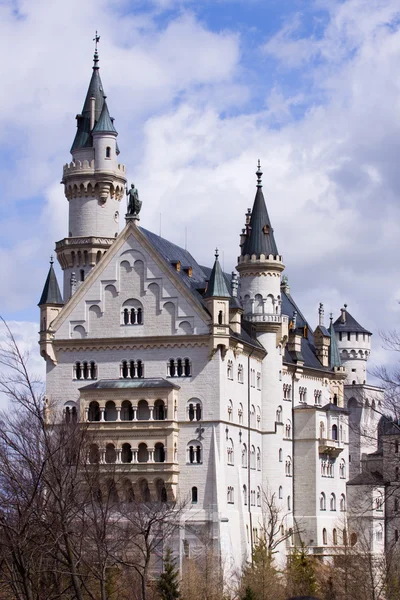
(199, 91)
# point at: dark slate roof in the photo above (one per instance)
(324, 331)
(350, 325)
(120, 384)
(335, 408)
(105, 122)
(217, 287)
(334, 354)
(83, 139)
(260, 237)
(367, 478)
(51, 292)
(307, 344)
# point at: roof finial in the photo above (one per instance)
(345, 305)
(216, 253)
(259, 174)
(96, 40)
(51, 261)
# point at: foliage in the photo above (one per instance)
(301, 577)
(168, 582)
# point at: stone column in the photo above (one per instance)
(86, 413)
(151, 408)
(151, 454)
(102, 452)
(134, 455)
(102, 411)
(118, 408)
(134, 413)
(119, 452)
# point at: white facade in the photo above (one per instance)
(247, 408)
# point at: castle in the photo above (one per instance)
(200, 384)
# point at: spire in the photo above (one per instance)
(334, 355)
(83, 138)
(105, 122)
(259, 238)
(51, 292)
(346, 323)
(217, 286)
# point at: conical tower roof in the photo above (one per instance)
(217, 287)
(105, 122)
(51, 292)
(334, 354)
(347, 323)
(83, 138)
(260, 234)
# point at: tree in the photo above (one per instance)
(168, 582)
(260, 576)
(301, 577)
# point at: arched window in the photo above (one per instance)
(244, 456)
(126, 454)
(70, 412)
(258, 459)
(229, 450)
(240, 373)
(280, 455)
(258, 496)
(280, 493)
(132, 312)
(279, 414)
(344, 537)
(240, 414)
(252, 458)
(179, 367)
(194, 452)
(289, 503)
(322, 430)
(333, 502)
(127, 487)
(143, 411)
(230, 495)
(159, 453)
(110, 413)
(252, 416)
(220, 317)
(229, 369)
(342, 469)
(143, 453)
(342, 503)
(85, 370)
(322, 501)
(194, 495)
(245, 495)
(94, 454)
(288, 429)
(324, 537)
(161, 491)
(159, 410)
(288, 467)
(334, 537)
(108, 152)
(111, 455)
(126, 411)
(144, 490)
(334, 432)
(194, 409)
(94, 411)
(230, 410)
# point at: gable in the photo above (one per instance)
(132, 292)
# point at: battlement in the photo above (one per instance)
(253, 259)
(84, 167)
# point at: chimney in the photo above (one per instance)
(242, 237)
(343, 315)
(92, 111)
(321, 315)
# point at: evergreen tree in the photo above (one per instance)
(249, 594)
(168, 582)
(260, 578)
(300, 575)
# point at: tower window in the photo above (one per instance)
(194, 495)
(108, 152)
(82, 273)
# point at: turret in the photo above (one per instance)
(50, 304)
(94, 184)
(216, 300)
(354, 344)
(260, 264)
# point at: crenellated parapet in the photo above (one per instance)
(81, 252)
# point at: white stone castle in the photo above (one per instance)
(200, 384)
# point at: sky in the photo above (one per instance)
(200, 90)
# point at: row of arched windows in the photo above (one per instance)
(110, 454)
(255, 416)
(132, 316)
(131, 369)
(84, 370)
(180, 367)
(332, 502)
(253, 495)
(126, 412)
(333, 432)
(255, 456)
(126, 491)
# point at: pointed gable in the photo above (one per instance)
(217, 287)
(105, 123)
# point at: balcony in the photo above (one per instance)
(331, 447)
(265, 318)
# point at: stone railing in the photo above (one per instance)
(265, 318)
(84, 241)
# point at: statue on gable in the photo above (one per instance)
(134, 204)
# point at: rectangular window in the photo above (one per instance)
(348, 336)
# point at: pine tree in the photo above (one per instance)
(301, 575)
(168, 584)
(249, 594)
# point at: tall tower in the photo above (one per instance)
(260, 266)
(354, 343)
(94, 184)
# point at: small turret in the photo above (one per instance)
(259, 264)
(322, 339)
(354, 345)
(216, 300)
(50, 304)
